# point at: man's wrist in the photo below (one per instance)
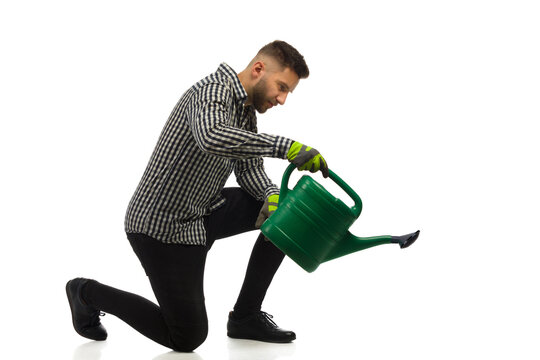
(273, 190)
(282, 146)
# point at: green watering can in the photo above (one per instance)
(311, 226)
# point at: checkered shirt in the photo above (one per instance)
(209, 134)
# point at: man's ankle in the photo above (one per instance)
(242, 314)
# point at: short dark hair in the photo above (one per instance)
(287, 56)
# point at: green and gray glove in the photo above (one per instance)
(307, 158)
(270, 205)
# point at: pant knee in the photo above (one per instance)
(187, 339)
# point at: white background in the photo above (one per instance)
(426, 108)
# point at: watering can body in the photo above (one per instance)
(311, 226)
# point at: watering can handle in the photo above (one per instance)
(356, 209)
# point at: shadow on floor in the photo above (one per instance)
(89, 351)
(250, 350)
(237, 350)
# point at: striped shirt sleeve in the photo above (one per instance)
(215, 134)
(251, 176)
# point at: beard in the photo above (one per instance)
(259, 97)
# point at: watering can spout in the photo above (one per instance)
(354, 243)
(405, 240)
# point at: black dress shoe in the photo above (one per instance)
(85, 318)
(258, 326)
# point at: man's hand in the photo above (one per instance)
(307, 158)
(270, 205)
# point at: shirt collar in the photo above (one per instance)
(238, 90)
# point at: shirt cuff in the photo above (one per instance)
(282, 146)
(272, 190)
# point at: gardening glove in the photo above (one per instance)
(270, 205)
(307, 158)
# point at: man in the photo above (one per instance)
(181, 207)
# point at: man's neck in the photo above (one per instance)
(244, 80)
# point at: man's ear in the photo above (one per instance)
(257, 70)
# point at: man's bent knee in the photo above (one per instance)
(187, 338)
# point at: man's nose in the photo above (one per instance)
(281, 98)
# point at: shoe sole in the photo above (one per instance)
(284, 341)
(73, 314)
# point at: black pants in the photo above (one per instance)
(176, 275)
